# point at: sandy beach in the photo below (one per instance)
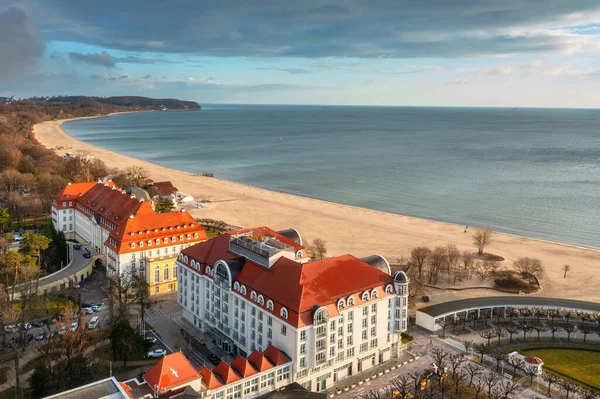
(348, 229)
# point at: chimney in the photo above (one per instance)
(114, 188)
(182, 210)
(69, 184)
(123, 192)
(141, 200)
(131, 216)
(132, 196)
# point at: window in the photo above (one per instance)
(133, 245)
(389, 289)
(253, 295)
(349, 340)
(374, 293)
(350, 301)
(261, 300)
(302, 362)
(340, 343)
(236, 286)
(166, 274)
(174, 272)
(320, 357)
(373, 331)
(351, 315)
(284, 313)
(364, 347)
(341, 304)
(373, 319)
(340, 357)
(374, 343)
(333, 324)
(243, 290)
(270, 305)
(302, 335)
(149, 242)
(374, 307)
(283, 373)
(283, 329)
(320, 344)
(350, 328)
(332, 351)
(365, 310)
(303, 349)
(157, 275)
(350, 352)
(364, 334)
(365, 296)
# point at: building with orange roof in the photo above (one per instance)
(172, 372)
(257, 290)
(131, 235)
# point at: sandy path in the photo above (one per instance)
(349, 229)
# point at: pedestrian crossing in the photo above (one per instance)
(154, 312)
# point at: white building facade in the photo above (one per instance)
(255, 288)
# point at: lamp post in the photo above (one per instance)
(502, 365)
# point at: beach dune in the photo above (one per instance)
(348, 229)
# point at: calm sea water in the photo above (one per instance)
(530, 172)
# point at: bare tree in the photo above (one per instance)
(516, 363)
(566, 269)
(539, 328)
(491, 379)
(498, 356)
(468, 344)
(569, 329)
(467, 260)
(458, 378)
(443, 323)
(526, 328)
(530, 266)
(585, 330)
(508, 388)
(318, 248)
(436, 261)
(511, 329)
(530, 372)
(452, 257)
(478, 386)
(567, 386)
(550, 379)
(488, 334)
(418, 257)
(456, 362)
(473, 371)
(554, 328)
(481, 349)
(402, 385)
(585, 393)
(481, 238)
(440, 358)
(500, 333)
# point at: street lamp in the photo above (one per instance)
(502, 365)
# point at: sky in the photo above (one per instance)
(514, 53)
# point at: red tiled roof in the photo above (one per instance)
(171, 371)
(533, 360)
(276, 356)
(259, 361)
(243, 367)
(165, 187)
(297, 287)
(72, 192)
(225, 373)
(167, 225)
(209, 379)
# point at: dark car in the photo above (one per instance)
(77, 246)
(425, 298)
(87, 255)
(28, 338)
(40, 337)
(214, 359)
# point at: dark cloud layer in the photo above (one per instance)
(103, 59)
(20, 45)
(316, 28)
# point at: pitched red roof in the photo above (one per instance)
(259, 361)
(71, 192)
(276, 356)
(153, 226)
(297, 287)
(243, 367)
(225, 373)
(209, 379)
(165, 187)
(533, 360)
(171, 371)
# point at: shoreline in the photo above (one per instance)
(345, 228)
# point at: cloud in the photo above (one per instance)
(132, 59)
(20, 44)
(461, 81)
(501, 70)
(311, 29)
(531, 65)
(293, 71)
(147, 76)
(103, 59)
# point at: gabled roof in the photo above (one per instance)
(171, 371)
(533, 360)
(209, 379)
(276, 356)
(74, 190)
(259, 361)
(112, 204)
(225, 373)
(165, 187)
(243, 367)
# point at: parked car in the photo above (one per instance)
(77, 246)
(11, 328)
(95, 303)
(425, 298)
(87, 255)
(18, 237)
(41, 336)
(214, 359)
(28, 338)
(74, 326)
(152, 340)
(157, 353)
(89, 310)
(96, 308)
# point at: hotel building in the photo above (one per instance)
(256, 289)
(132, 236)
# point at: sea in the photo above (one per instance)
(528, 172)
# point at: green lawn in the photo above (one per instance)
(579, 364)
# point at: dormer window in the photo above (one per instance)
(149, 243)
(350, 301)
(389, 289)
(299, 254)
(189, 236)
(133, 245)
(341, 304)
(180, 238)
(365, 296)
(243, 290)
(173, 239)
(374, 293)
(284, 313)
(64, 203)
(253, 295)
(270, 305)
(236, 286)
(195, 235)
(208, 270)
(141, 244)
(166, 240)
(261, 300)
(157, 241)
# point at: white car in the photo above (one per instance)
(11, 328)
(89, 310)
(74, 326)
(157, 353)
(18, 237)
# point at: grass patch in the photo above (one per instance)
(579, 364)
(42, 307)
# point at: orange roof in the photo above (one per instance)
(126, 388)
(533, 360)
(171, 371)
(293, 285)
(259, 361)
(225, 373)
(276, 356)
(72, 192)
(243, 367)
(153, 226)
(209, 379)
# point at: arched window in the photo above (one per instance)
(243, 290)
(350, 301)
(158, 241)
(195, 235)
(389, 289)
(166, 240)
(374, 293)
(298, 254)
(189, 236)
(253, 295)
(270, 305)
(365, 296)
(261, 300)
(141, 244)
(208, 270)
(321, 316)
(149, 243)
(341, 304)
(180, 256)
(193, 264)
(185, 258)
(173, 239)
(133, 245)
(236, 286)
(284, 313)
(181, 238)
